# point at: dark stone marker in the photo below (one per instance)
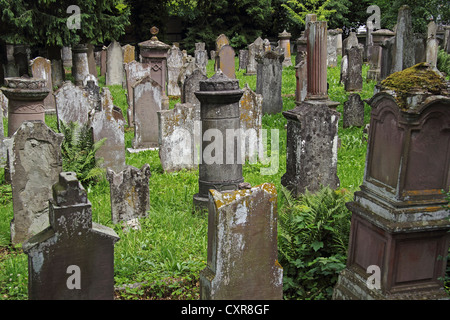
(219, 167)
(269, 79)
(242, 246)
(353, 111)
(399, 224)
(73, 259)
(354, 81)
(312, 142)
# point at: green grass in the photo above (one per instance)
(167, 255)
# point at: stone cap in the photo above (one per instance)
(154, 43)
(68, 190)
(25, 83)
(284, 35)
(219, 82)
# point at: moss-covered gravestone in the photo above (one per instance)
(72, 259)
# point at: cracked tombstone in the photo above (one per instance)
(72, 104)
(242, 246)
(129, 191)
(176, 137)
(35, 161)
(108, 123)
(72, 259)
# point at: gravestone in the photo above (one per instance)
(311, 148)
(128, 53)
(387, 57)
(134, 71)
(90, 77)
(250, 107)
(190, 86)
(332, 51)
(66, 55)
(403, 50)
(242, 260)
(176, 137)
(103, 61)
(114, 64)
(186, 70)
(254, 49)
(25, 101)
(174, 65)
(21, 59)
(350, 41)
(344, 70)
(301, 78)
(201, 56)
(243, 59)
(109, 123)
(225, 61)
(221, 41)
(378, 37)
(147, 97)
(3, 151)
(72, 259)
(212, 55)
(35, 162)
(93, 91)
(399, 225)
(420, 47)
(353, 80)
(284, 41)
(220, 166)
(353, 111)
(72, 104)
(268, 81)
(432, 45)
(58, 72)
(130, 193)
(80, 64)
(41, 68)
(91, 60)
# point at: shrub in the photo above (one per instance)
(313, 242)
(443, 62)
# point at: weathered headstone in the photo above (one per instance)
(128, 53)
(91, 60)
(219, 167)
(174, 65)
(66, 55)
(114, 64)
(243, 59)
(134, 71)
(301, 77)
(353, 80)
(176, 137)
(403, 50)
(109, 123)
(432, 45)
(311, 148)
(58, 73)
(90, 77)
(268, 81)
(225, 61)
(41, 68)
(353, 114)
(25, 101)
(21, 59)
(242, 258)
(130, 193)
(201, 56)
(190, 86)
(250, 107)
(332, 50)
(72, 104)
(35, 162)
(375, 55)
(80, 64)
(254, 49)
(221, 41)
(93, 91)
(284, 40)
(147, 97)
(3, 151)
(399, 228)
(103, 61)
(73, 259)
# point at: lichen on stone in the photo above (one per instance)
(420, 78)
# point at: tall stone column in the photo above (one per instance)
(25, 101)
(220, 167)
(155, 53)
(80, 65)
(285, 43)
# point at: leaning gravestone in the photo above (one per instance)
(353, 111)
(72, 104)
(41, 68)
(72, 259)
(147, 97)
(134, 71)
(268, 81)
(242, 258)
(221, 41)
(130, 195)
(174, 64)
(176, 137)
(35, 162)
(109, 123)
(114, 64)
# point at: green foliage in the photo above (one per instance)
(443, 62)
(78, 152)
(312, 243)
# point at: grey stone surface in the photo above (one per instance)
(268, 81)
(114, 64)
(242, 258)
(72, 104)
(174, 64)
(432, 45)
(353, 111)
(201, 56)
(130, 195)
(35, 161)
(41, 68)
(72, 259)
(254, 49)
(353, 81)
(311, 148)
(243, 59)
(190, 86)
(225, 61)
(80, 64)
(134, 71)
(404, 41)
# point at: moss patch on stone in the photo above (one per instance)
(418, 78)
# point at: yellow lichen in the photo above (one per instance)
(420, 77)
